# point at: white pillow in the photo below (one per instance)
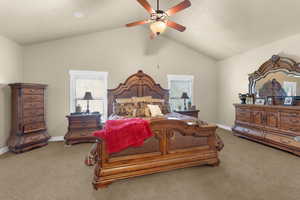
(155, 110)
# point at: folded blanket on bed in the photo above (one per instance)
(124, 133)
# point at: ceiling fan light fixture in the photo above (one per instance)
(158, 27)
(159, 19)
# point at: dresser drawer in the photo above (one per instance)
(32, 138)
(243, 115)
(33, 112)
(34, 127)
(251, 132)
(290, 121)
(289, 141)
(33, 91)
(33, 105)
(33, 98)
(30, 120)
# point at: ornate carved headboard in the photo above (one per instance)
(137, 85)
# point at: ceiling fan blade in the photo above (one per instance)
(176, 26)
(138, 23)
(146, 5)
(181, 6)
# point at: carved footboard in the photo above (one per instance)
(175, 144)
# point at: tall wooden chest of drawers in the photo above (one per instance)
(81, 128)
(28, 125)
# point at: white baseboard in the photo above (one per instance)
(228, 128)
(57, 139)
(3, 150)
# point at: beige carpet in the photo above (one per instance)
(248, 171)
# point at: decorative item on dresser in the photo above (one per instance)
(192, 113)
(275, 125)
(81, 128)
(28, 125)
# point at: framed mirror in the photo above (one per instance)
(278, 77)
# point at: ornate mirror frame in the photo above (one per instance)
(274, 64)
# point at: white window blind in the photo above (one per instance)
(177, 85)
(290, 88)
(89, 81)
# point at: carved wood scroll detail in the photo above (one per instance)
(276, 62)
(137, 85)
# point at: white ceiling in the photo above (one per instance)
(218, 28)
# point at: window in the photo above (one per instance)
(89, 81)
(177, 85)
(290, 88)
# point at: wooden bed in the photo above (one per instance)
(177, 143)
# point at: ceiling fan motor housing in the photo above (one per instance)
(159, 15)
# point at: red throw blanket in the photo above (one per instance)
(124, 133)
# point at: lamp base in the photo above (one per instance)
(185, 108)
(88, 107)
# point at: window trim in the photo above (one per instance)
(182, 78)
(96, 75)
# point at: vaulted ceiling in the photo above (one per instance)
(217, 28)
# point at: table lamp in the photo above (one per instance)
(185, 97)
(88, 96)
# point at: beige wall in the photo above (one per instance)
(10, 71)
(120, 52)
(233, 73)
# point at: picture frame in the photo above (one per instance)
(288, 101)
(270, 101)
(193, 107)
(249, 100)
(260, 101)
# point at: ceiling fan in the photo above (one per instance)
(159, 18)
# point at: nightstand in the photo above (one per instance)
(81, 128)
(192, 113)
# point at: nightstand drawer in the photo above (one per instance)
(83, 124)
(81, 128)
(191, 113)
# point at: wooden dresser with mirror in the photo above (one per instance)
(276, 125)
